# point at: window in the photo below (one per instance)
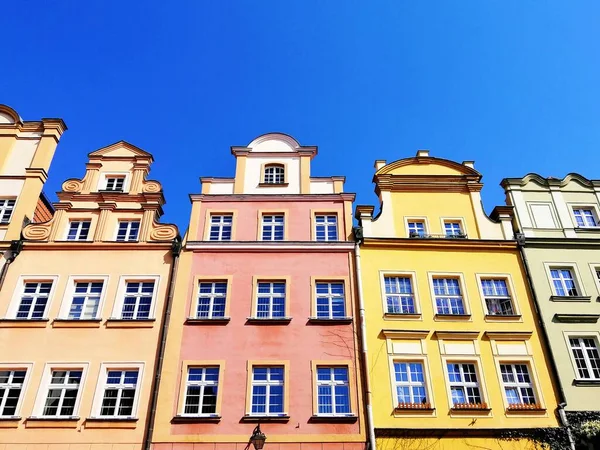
(333, 391)
(78, 230)
(270, 300)
(62, 393)
(34, 300)
(274, 174)
(272, 228)
(267, 391)
(399, 296)
(86, 300)
(119, 393)
(11, 386)
(563, 282)
(128, 230)
(138, 300)
(410, 383)
(6, 209)
(211, 300)
(201, 391)
(453, 229)
(416, 228)
(585, 217)
(464, 386)
(326, 228)
(220, 227)
(587, 358)
(448, 297)
(517, 383)
(115, 183)
(497, 297)
(331, 303)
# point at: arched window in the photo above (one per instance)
(274, 174)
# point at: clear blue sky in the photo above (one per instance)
(511, 84)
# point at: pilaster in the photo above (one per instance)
(105, 210)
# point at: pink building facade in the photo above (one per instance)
(263, 327)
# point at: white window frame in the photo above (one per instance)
(278, 171)
(413, 280)
(595, 268)
(220, 224)
(268, 383)
(127, 236)
(271, 224)
(463, 291)
(102, 185)
(456, 359)
(121, 290)
(327, 224)
(272, 295)
(581, 206)
(509, 285)
(15, 301)
(459, 220)
(410, 384)
(202, 385)
(38, 409)
(516, 384)
(5, 209)
(27, 367)
(211, 298)
(411, 219)
(562, 266)
(330, 296)
(79, 228)
(65, 306)
(105, 367)
(582, 335)
(406, 357)
(333, 384)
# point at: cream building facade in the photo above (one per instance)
(558, 221)
(82, 311)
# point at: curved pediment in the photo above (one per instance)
(8, 115)
(120, 149)
(552, 181)
(426, 166)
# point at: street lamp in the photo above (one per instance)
(258, 438)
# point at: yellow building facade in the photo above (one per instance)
(454, 356)
(81, 312)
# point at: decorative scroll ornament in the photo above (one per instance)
(163, 232)
(38, 231)
(151, 187)
(72, 185)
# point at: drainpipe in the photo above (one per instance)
(175, 251)
(10, 255)
(363, 340)
(546, 340)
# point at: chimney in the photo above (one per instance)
(422, 153)
(379, 163)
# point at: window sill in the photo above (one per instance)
(461, 317)
(503, 317)
(570, 298)
(252, 418)
(276, 321)
(10, 421)
(331, 321)
(52, 422)
(397, 316)
(333, 419)
(215, 321)
(587, 229)
(475, 408)
(111, 422)
(414, 408)
(130, 323)
(525, 409)
(23, 323)
(76, 323)
(214, 418)
(579, 382)
(273, 184)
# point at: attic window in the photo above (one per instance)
(115, 183)
(274, 174)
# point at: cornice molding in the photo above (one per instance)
(90, 245)
(405, 334)
(508, 335)
(455, 244)
(457, 335)
(345, 196)
(550, 181)
(426, 183)
(270, 246)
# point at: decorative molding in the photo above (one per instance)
(72, 185)
(508, 335)
(405, 334)
(151, 186)
(457, 335)
(38, 231)
(163, 232)
(576, 318)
